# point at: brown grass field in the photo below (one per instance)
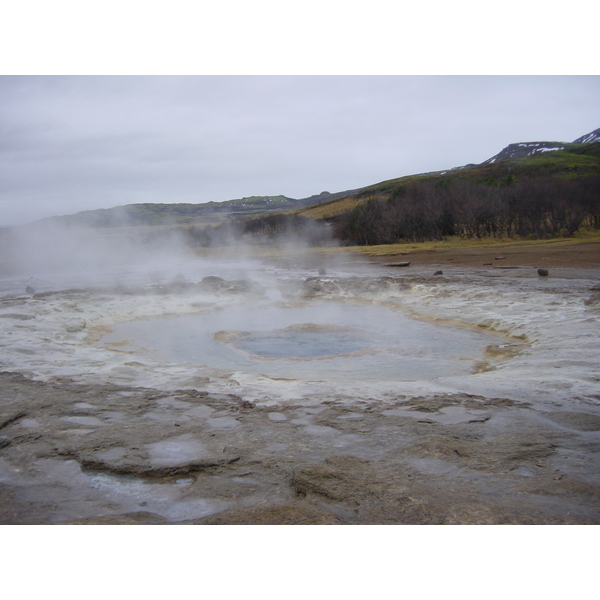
(567, 253)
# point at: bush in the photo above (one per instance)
(427, 210)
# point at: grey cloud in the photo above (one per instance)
(77, 143)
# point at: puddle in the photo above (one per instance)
(67, 492)
(164, 499)
(200, 411)
(321, 430)
(222, 422)
(176, 450)
(432, 466)
(274, 416)
(524, 471)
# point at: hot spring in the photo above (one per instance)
(363, 396)
(311, 341)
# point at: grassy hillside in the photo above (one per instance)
(576, 161)
(151, 214)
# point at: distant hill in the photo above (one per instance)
(208, 213)
(523, 149)
(589, 138)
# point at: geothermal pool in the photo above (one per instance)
(318, 341)
(361, 396)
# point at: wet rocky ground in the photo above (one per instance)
(73, 453)
(518, 442)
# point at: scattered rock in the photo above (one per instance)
(439, 273)
(595, 299)
(399, 264)
(542, 272)
(75, 326)
(503, 350)
(212, 280)
(235, 286)
(315, 286)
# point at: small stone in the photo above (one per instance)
(439, 273)
(542, 272)
(212, 280)
(399, 264)
(75, 326)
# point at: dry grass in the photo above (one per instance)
(332, 208)
(580, 252)
(456, 243)
(393, 249)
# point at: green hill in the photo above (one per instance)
(154, 214)
(576, 161)
(208, 213)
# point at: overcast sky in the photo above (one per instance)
(75, 143)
